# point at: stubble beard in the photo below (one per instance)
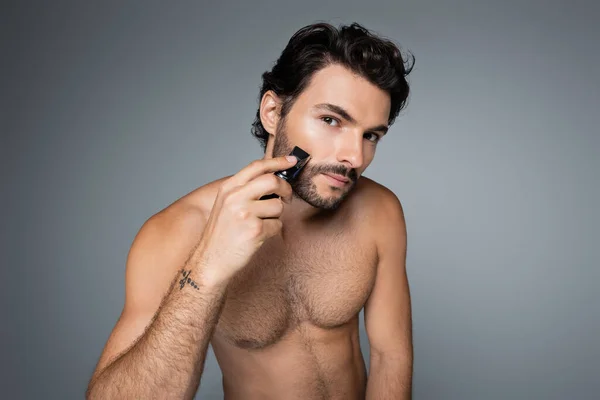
(303, 186)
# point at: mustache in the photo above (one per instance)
(351, 174)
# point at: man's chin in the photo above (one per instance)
(320, 195)
(325, 204)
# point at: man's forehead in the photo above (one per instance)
(338, 86)
(336, 77)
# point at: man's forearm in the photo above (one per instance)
(390, 377)
(168, 359)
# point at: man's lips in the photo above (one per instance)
(340, 178)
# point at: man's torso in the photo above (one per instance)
(289, 325)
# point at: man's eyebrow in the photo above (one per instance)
(345, 115)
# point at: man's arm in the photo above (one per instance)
(387, 313)
(158, 347)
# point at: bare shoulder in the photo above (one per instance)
(183, 217)
(380, 210)
(378, 200)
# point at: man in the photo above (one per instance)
(276, 285)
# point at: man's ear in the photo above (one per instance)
(270, 109)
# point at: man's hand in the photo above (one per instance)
(240, 222)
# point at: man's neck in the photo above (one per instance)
(300, 214)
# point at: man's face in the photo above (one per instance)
(338, 119)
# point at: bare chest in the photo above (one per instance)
(322, 281)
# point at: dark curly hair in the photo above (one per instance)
(318, 45)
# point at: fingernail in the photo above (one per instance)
(291, 158)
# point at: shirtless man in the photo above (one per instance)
(276, 286)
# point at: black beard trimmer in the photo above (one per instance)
(291, 173)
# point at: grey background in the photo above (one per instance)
(112, 110)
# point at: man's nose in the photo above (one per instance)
(350, 150)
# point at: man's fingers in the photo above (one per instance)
(267, 184)
(261, 167)
(271, 208)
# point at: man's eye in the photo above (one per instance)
(330, 120)
(374, 138)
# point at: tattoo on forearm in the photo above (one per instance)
(186, 279)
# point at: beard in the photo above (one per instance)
(303, 186)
